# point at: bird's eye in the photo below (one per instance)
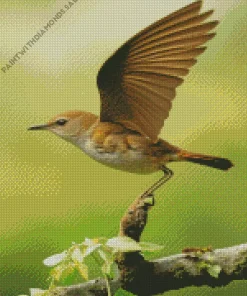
(61, 121)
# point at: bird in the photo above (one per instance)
(137, 85)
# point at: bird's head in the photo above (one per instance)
(68, 125)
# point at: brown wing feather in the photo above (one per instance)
(189, 23)
(137, 83)
(185, 43)
(176, 17)
(193, 32)
(171, 54)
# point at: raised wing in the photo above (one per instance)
(137, 83)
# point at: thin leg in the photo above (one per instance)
(167, 175)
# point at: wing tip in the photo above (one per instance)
(211, 35)
(195, 5)
(208, 13)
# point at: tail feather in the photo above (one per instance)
(211, 161)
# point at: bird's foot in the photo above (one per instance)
(167, 175)
(167, 172)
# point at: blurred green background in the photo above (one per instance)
(52, 194)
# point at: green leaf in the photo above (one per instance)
(106, 269)
(103, 255)
(83, 270)
(115, 273)
(150, 247)
(121, 292)
(214, 270)
(68, 269)
(123, 244)
(62, 271)
(56, 273)
(108, 263)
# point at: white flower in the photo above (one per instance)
(36, 292)
(54, 259)
(77, 255)
(91, 245)
(123, 244)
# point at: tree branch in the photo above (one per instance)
(175, 272)
(194, 267)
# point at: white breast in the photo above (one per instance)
(132, 160)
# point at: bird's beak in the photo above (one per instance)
(38, 127)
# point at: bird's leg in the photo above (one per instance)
(167, 175)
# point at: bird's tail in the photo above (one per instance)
(207, 160)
